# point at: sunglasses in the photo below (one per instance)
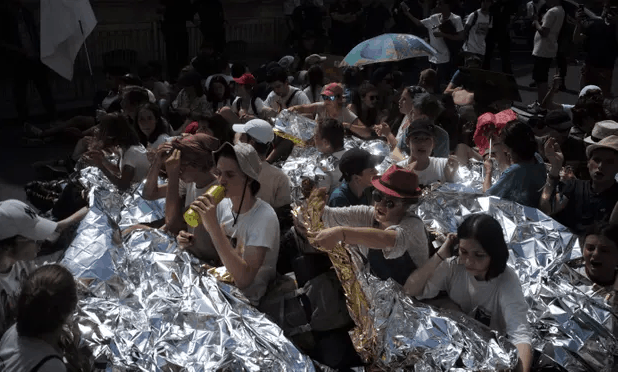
(378, 197)
(373, 98)
(331, 98)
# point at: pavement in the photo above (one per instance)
(16, 168)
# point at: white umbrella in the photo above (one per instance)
(65, 25)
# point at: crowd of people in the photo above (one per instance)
(212, 125)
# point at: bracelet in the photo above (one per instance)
(438, 255)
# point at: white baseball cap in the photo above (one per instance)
(256, 128)
(17, 218)
(588, 88)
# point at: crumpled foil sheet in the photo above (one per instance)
(146, 306)
(394, 332)
(307, 163)
(574, 325)
(294, 127)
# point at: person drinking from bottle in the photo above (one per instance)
(479, 281)
(244, 229)
(188, 163)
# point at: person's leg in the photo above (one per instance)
(504, 50)
(490, 47)
(40, 77)
(540, 74)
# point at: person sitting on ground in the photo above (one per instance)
(459, 80)
(190, 100)
(188, 163)
(421, 140)
(275, 185)
(329, 140)
(364, 106)
(22, 232)
(283, 95)
(218, 94)
(428, 80)
(247, 105)
(599, 248)
(46, 302)
(489, 128)
(391, 237)
(523, 181)
(427, 106)
(556, 125)
(315, 83)
(602, 129)
(151, 127)
(133, 80)
(450, 121)
(549, 104)
(405, 106)
(479, 281)
(333, 107)
(358, 167)
(580, 203)
(116, 135)
(150, 74)
(244, 229)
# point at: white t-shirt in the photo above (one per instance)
(202, 239)
(331, 180)
(443, 54)
(433, 173)
(279, 103)
(547, 47)
(476, 43)
(258, 227)
(410, 232)
(10, 285)
(275, 186)
(346, 115)
(135, 156)
(498, 303)
(317, 94)
(22, 354)
(161, 139)
(237, 104)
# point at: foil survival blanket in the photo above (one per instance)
(145, 306)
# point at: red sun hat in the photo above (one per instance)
(398, 182)
(333, 89)
(245, 79)
(496, 121)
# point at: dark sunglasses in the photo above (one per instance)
(373, 98)
(331, 98)
(378, 196)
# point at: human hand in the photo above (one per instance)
(453, 163)
(173, 164)
(567, 173)
(94, 157)
(328, 238)
(163, 152)
(438, 33)
(557, 82)
(382, 129)
(445, 250)
(185, 240)
(488, 165)
(206, 208)
(553, 153)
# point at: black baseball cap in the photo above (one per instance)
(421, 126)
(354, 161)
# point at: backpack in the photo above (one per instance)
(468, 27)
(252, 104)
(290, 99)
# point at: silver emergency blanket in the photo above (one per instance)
(574, 325)
(146, 306)
(294, 127)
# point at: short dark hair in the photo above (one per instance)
(427, 105)
(602, 228)
(261, 148)
(160, 127)
(8, 245)
(135, 95)
(519, 137)
(211, 97)
(489, 233)
(333, 131)
(47, 298)
(218, 125)
(277, 74)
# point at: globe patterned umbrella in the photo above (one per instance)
(388, 48)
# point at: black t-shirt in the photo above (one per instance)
(585, 207)
(601, 44)
(376, 17)
(308, 17)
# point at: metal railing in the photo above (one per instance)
(147, 40)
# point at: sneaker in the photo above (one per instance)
(535, 108)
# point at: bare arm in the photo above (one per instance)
(306, 109)
(413, 19)
(543, 31)
(359, 128)
(174, 202)
(72, 220)
(525, 357)
(488, 181)
(414, 286)
(458, 36)
(547, 102)
(152, 190)
(372, 238)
